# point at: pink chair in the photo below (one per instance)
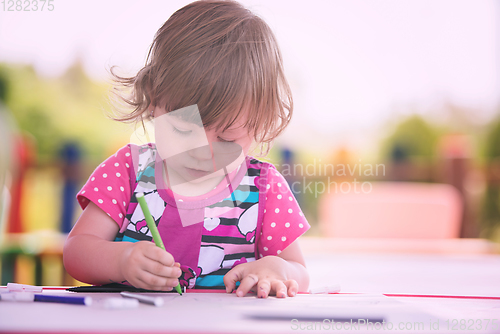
(392, 210)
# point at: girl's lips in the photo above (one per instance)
(197, 173)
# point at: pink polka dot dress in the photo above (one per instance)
(252, 216)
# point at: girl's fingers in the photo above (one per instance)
(157, 254)
(144, 285)
(263, 288)
(159, 269)
(292, 287)
(247, 283)
(279, 288)
(232, 277)
(153, 282)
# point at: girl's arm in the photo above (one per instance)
(281, 275)
(90, 255)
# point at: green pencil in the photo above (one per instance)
(152, 227)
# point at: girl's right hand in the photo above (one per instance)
(147, 266)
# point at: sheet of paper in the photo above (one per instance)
(219, 312)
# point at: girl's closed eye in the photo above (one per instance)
(182, 132)
(226, 140)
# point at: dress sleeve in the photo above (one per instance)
(283, 220)
(109, 185)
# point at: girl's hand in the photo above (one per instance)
(266, 276)
(146, 266)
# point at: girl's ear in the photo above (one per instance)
(151, 110)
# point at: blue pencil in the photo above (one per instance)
(64, 299)
(31, 297)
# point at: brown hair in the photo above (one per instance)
(222, 57)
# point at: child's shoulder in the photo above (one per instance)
(148, 147)
(267, 170)
(261, 164)
(132, 155)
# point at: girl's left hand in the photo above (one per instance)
(265, 276)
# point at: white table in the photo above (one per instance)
(471, 281)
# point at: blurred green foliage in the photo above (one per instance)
(492, 142)
(413, 139)
(490, 217)
(68, 108)
(3, 85)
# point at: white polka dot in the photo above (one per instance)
(279, 196)
(264, 210)
(279, 184)
(120, 215)
(103, 165)
(300, 214)
(277, 210)
(127, 165)
(278, 251)
(127, 154)
(96, 189)
(301, 225)
(109, 188)
(122, 189)
(118, 174)
(261, 255)
(117, 164)
(100, 201)
(269, 237)
(268, 186)
(124, 204)
(92, 179)
(104, 175)
(180, 200)
(83, 192)
(273, 224)
(283, 238)
(114, 201)
(287, 224)
(290, 210)
(290, 198)
(108, 214)
(266, 249)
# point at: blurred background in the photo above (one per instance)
(395, 133)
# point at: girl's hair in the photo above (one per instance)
(221, 57)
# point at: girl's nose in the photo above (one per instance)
(202, 152)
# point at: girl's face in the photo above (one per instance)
(194, 154)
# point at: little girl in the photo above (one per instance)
(213, 85)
